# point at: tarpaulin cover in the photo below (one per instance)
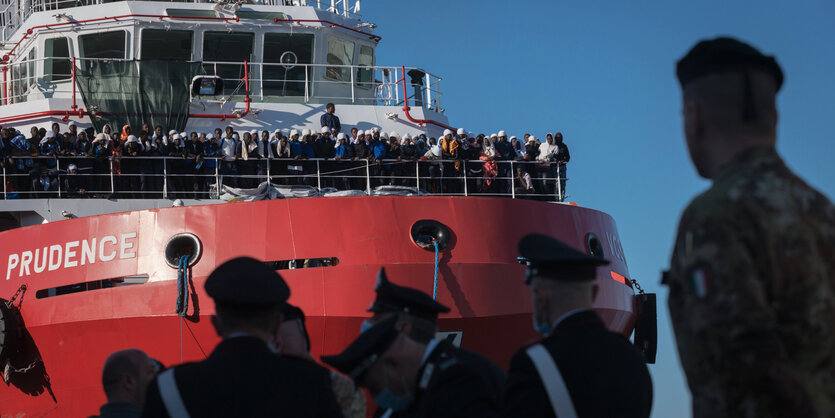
(137, 92)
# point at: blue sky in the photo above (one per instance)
(603, 74)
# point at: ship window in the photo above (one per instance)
(93, 285)
(365, 75)
(227, 47)
(252, 14)
(340, 52)
(57, 65)
(160, 44)
(190, 13)
(290, 53)
(302, 263)
(103, 45)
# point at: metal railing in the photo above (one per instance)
(177, 177)
(12, 15)
(367, 85)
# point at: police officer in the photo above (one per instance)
(421, 380)
(417, 311)
(580, 369)
(752, 276)
(243, 376)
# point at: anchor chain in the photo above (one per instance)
(637, 286)
(10, 303)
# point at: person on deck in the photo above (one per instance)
(330, 120)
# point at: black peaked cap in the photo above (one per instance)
(358, 357)
(394, 298)
(553, 259)
(245, 281)
(725, 55)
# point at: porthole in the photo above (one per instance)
(594, 246)
(180, 245)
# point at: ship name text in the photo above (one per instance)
(71, 254)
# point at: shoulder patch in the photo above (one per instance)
(698, 280)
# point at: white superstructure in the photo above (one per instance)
(293, 55)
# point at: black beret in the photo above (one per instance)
(551, 258)
(725, 55)
(358, 357)
(394, 298)
(246, 282)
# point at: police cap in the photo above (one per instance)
(722, 55)
(550, 258)
(394, 298)
(365, 350)
(245, 283)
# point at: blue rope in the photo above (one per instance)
(182, 286)
(435, 287)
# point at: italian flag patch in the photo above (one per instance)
(700, 281)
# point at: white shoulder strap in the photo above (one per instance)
(170, 395)
(553, 382)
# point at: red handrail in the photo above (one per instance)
(247, 100)
(406, 108)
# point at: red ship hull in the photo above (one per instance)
(479, 278)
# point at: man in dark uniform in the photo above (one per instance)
(417, 312)
(752, 276)
(580, 369)
(243, 376)
(420, 380)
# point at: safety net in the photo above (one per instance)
(136, 92)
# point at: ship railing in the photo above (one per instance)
(151, 177)
(360, 84)
(321, 83)
(12, 15)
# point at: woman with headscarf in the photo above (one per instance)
(491, 169)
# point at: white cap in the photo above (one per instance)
(177, 136)
(532, 138)
(210, 136)
(493, 136)
(407, 136)
(447, 132)
(502, 133)
(325, 130)
(72, 123)
(293, 133)
(253, 132)
(276, 132)
(360, 132)
(71, 167)
(513, 137)
(305, 132)
(340, 136)
(375, 130)
(172, 132)
(50, 134)
(99, 136)
(184, 134)
(235, 137)
(132, 138)
(383, 135)
(460, 131)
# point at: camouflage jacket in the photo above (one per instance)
(752, 293)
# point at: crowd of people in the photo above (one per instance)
(263, 366)
(79, 162)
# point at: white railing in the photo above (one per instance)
(12, 15)
(355, 84)
(326, 82)
(178, 177)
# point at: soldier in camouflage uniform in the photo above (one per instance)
(752, 277)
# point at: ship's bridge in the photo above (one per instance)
(268, 52)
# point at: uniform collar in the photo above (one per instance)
(429, 348)
(568, 314)
(748, 158)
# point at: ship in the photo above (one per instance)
(84, 276)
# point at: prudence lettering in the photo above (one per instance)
(71, 254)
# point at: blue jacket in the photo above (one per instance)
(331, 121)
(378, 149)
(295, 148)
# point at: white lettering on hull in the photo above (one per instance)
(71, 254)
